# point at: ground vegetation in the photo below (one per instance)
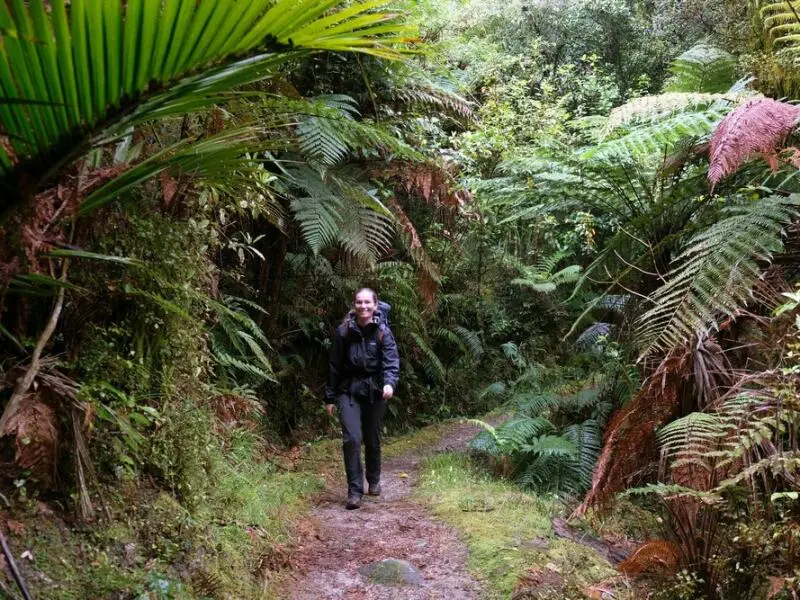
(585, 212)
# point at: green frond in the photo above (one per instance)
(702, 68)
(587, 438)
(551, 445)
(646, 141)
(431, 363)
(652, 109)
(780, 23)
(515, 434)
(534, 404)
(144, 60)
(715, 273)
(471, 340)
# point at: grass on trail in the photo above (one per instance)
(508, 532)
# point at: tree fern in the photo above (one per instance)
(659, 137)
(781, 25)
(318, 219)
(715, 272)
(652, 109)
(702, 68)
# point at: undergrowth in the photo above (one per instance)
(508, 532)
(226, 542)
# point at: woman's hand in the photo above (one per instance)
(388, 392)
(330, 408)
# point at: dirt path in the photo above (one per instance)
(391, 526)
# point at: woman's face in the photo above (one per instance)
(365, 306)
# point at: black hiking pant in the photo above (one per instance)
(361, 420)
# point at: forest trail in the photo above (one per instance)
(338, 542)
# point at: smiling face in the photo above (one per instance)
(365, 304)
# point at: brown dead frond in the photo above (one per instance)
(654, 557)
(629, 443)
(34, 431)
(758, 127)
(234, 410)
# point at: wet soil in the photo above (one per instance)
(337, 542)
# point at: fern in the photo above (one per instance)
(541, 278)
(655, 139)
(431, 363)
(781, 25)
(758, 127)
(471, 340)
(652, 109)
(716, 272)
(238, 344)
(702, 68)
(591, 336)
(587, 438)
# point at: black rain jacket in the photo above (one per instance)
(361, 364)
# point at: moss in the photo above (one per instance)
(499, 524)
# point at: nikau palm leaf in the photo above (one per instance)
(59, 85)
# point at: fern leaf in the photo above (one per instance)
(702, 68)
(646, 141)
(590, 336)
(318, 218)
(587, 437)
(652, 109)
(716, 272)
(759, 126)
(431, 363)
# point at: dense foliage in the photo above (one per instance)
(584, 210)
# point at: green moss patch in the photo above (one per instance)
(508, 532)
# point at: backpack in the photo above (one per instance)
(383, 308)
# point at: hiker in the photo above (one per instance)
(362, 375)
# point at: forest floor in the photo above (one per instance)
(335, 543)
(469, 535)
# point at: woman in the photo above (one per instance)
(363, 371)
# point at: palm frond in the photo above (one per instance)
(141, 60)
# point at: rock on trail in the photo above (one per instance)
(338, 560)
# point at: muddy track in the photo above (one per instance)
(391, 526)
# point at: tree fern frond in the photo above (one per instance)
(702, 68)
(716, 272)
(591, 335)
(431, 363)
(758, 127)
(646, 141)
(652, 109)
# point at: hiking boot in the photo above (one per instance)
(353, 501)
(374, 489)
